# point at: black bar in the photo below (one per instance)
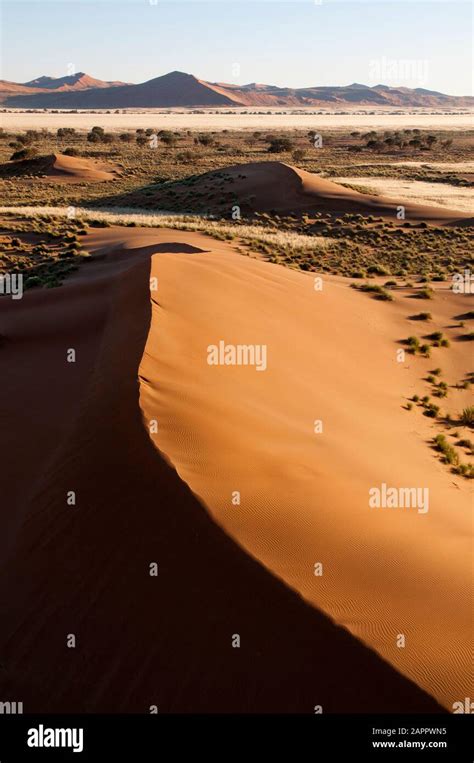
(144, 738)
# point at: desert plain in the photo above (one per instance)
(206, 531)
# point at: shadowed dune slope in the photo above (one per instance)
(84, 569)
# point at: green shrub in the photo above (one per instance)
(443, 446)
(431, 410)
(465, 470)
(441, 390)
(280, 145)
(377, 270)
(23, 153)
(466, 417)
(425, 293)
(413, 342)
(378, 291)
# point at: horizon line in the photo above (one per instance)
(236, 84)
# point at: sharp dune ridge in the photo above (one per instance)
(84, 569)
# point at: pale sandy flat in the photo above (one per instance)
(131, 120)
(442, 195)
(444, 166)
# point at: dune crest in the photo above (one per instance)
(78, 169)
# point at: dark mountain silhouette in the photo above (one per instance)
(78, 81)
(178, 89)
(50, 85)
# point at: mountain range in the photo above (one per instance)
(177, 89)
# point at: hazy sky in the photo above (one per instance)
(299, 43)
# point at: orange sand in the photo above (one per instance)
(84, 569)
(304, 496)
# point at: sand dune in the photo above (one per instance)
(59, 168)
(278, 187)
(84, 569)
(304, 496)
(78, 169)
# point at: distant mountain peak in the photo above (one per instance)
(45, 80)
(181, 89)
(76, 81)
(178, 74)
(357, 86)
(39, 80)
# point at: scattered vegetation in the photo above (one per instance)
(450, 455)
(152, 163)
(378, 292)
(45, 250)
(425, 293)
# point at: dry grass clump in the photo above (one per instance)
(43, 250)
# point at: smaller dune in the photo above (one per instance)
(79, 168)
(59, 168)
